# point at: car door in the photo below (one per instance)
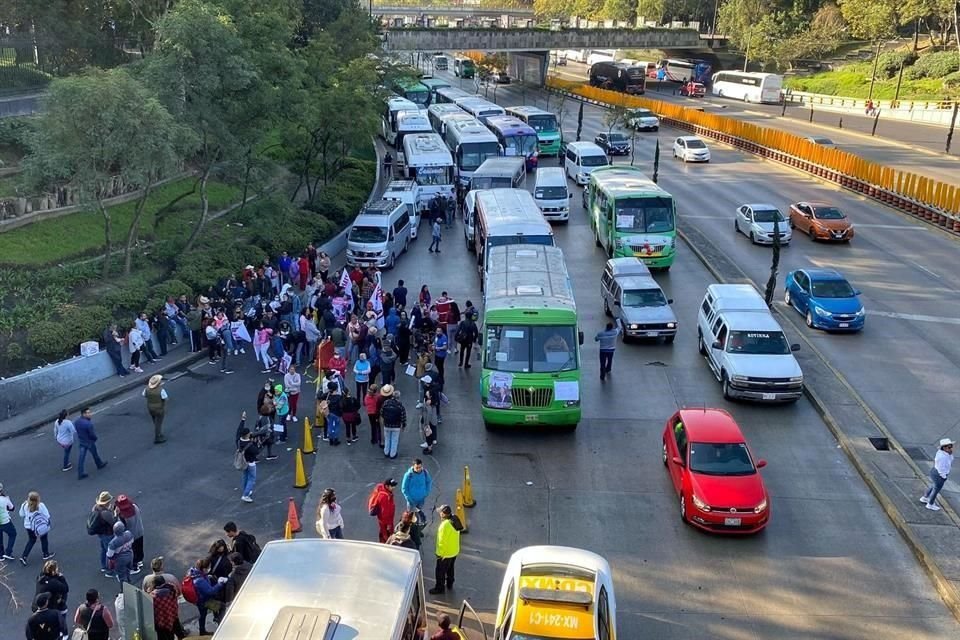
(679, 445)
(605, 281)
(717, 344)
(616, 305)
(601, 140)
(743, 217)
(677, 147)
(803, 291)
(804, 220)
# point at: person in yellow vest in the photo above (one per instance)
(448, 548)
(156, 404)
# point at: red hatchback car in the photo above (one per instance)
(714, 473)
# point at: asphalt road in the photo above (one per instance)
(907, 146)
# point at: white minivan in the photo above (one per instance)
(581, 158)
(379, 234)
(551, 194)
(406, 192)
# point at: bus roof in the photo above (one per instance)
(620, 181)
(434, 83)
(500, 167)
(397, 103)
(413, 121)
(510, 125)
(470, 130)
(527, 276)
(407, 85)
(452, 93)
(529, 111)
(363, 583)
(510, 212)
(426, 149)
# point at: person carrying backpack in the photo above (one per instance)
(242, 542)
(100, 523)
(466, 337)
(381, 506)
(36, 522)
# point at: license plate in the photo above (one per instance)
(844, 325)
(652, 334)
(769, 396)
(530, 418)
(731, 522)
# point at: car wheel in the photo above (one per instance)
(787, 300)
(663, 451)
(752, 238)
(812, 234)
(393, 261)
(736, 225)
(725, 381)
(670, 339)
(683, 508)
(702, 347)
(810, 319)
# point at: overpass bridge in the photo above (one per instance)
(532, 39)
(451, 11)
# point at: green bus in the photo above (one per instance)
(544, 123)
(631, 216)
(414, 91)
(531, 340)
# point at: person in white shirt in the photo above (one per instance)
(938, 474)
(291, 383)
(143, 323)
(329, 517)
(65, 433)
(6, 525)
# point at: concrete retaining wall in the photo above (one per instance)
(538, 39)
(922, 112)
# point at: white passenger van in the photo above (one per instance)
(330, 589)
(582, 158)
(551, 194)
(405, 191)
(379, 234)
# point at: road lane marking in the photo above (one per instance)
(923, 268)
(914, 316)
(912, 227)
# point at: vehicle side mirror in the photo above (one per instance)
(717, 345)
(580, 337)
(795, 347)
(761, 463)
(678, 461)
(616, 303)
(669, 300)
(856, 292)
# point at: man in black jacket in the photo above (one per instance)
(45, 623)
(243, 543)
(241, 568)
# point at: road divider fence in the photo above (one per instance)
(933, 201)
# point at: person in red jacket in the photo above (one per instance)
(304, 265)
(383, 508)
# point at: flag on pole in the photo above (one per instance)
(347, 285)
(377, 299)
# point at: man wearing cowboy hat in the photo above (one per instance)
(101, 525)
(156, 397)
(393, 417)
(938, 474)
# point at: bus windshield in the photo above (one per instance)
(487, 182)
(418, 96)
(472, 154)
(499, 241)
(544, 123)
(531, 349)
(519, 145)
(434, 175)
(644, 215)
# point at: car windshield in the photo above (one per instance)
(767, 215)
(550, 193)
(644, 298)
(642, 113)
(696, 144)
(616, 137)
(526, 349)
(368, 234)
(823, 140)
(832, 289)
(546, 123)
(758, 343)
(728, 459)
(828, 213)
(593, 161)
(644, 215)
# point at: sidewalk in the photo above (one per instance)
(885, 466)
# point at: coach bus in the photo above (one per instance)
(392, 109)
(428, 162)
(516, 138)
(684, 70)
(544, 123)
(531, 339)
(464, 67)
(506, 216)
(414, 91)
(409, 122)
(446, 95)
(470, 143)
(432, 85)
(765, 88)
(631, 216)
(479, 108)
(438, 114)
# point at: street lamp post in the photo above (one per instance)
(873, 76)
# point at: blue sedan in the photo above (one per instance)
(825, 298)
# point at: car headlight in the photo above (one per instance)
(671, 325)
(739, 378)
(634, 326)
(861, 312)
(797, 379)
(821, 312)
(700, 504)
(673, 242)
(618, 243)
(571, 403)
(760, 508)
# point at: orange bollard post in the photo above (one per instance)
(287, 531)
(461, 512)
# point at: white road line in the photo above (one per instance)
(914, 316)
(912, 227)
(923, 268)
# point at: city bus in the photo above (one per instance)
(414, 91)
(342, 589)
(432, 84)
(479, 108)
(391, 110)
(631, 216)
(765, 88)
(471, 143)
(544, 123)
(517, 138)
(439, 113)
(446, 95)
(531, 341)
(464, 67)
(428, 162)
(409, 122)
(506, 216)
(684, 70)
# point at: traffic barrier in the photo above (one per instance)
(300, 480)
(930, 200)
(461, 512)
(307, 438)
(293, 520)
(468, 500)
(287, 531)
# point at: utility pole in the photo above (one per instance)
(953, 123)
(716, 17)
(746, 54)
(873, 76)
(896, 94)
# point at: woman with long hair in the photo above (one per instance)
(329, 516)
(36, 522)
(65, 433)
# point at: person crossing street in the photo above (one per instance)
(156, 405)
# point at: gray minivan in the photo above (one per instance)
(379, 234)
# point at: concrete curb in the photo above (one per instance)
(948, 593)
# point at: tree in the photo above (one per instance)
(100, 130)
(871, 19)
(620, 10)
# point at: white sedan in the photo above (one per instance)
(756, 221)
(691, 149)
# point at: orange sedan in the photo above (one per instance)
(821, 221)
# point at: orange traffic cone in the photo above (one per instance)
(292, 518)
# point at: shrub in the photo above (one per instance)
(62, 337)
(282, 227)
(951, 82)
(934, 65)
(126, 295)
(888, 66)
(159, 293)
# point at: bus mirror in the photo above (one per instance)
(580, 337)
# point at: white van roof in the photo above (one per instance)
(736, 297)
(551, 175)
(587, 148)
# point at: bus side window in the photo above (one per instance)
(415, 623)
(603, 616)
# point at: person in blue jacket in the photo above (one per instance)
(206, 591)
(416, 485)
(392, 322)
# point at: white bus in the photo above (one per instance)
(678, 70)
(391, 110)
(507, 216)
(471, 143)
(600, 55)
(429, 163)
(409, 122)
(750, 87)
(439, 113)
(445, 95)
(480, 108)
(341, 589)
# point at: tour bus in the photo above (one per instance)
(471, 143)
(409, 122)
(439, 113)
(432, 84)
(601, 55)
(388, 119)
(750, 87)
(464, 67)
(531, 341)
(516, 138)
(506, 216)
(429, 163)
(451, 94)
(618, 76)
(440, 62)
(342, 589)
(479, 108)
(685, 70)
(553, 593)
(631, 216)
(544, 123)
(416, 92)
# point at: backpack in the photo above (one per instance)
(95, 524)
(245, 539)
(189, 589)
(239, 459)
(41, 524)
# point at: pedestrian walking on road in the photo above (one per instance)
(156, 397)
(938, 474)
(351, 415)
(239, 570)
(87, 439)
(150, 582)
(208, 592)
(120, 552)
(7, 528)
(361, 374)
(448, 548)
(291, 382)
(393, 418)
(608, 344)
(435, 236)
(166, 610)
(429, 419)
(440, 345)
(94, 617)
(329, 516)
(466, 337)
(416, 485)
(37, 523)
(54, 585)
(250, 451)
(112, 344)
(143, 324)
(282, 403)
(334, 413)
(129, 514)
(65, 433)
(371, 404)
(45, 623)
(100, 523)
(381, 506)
